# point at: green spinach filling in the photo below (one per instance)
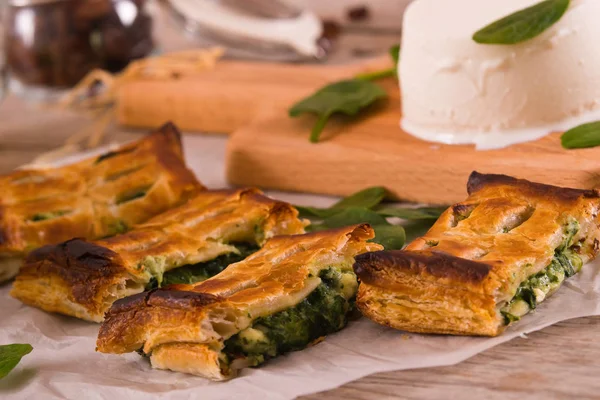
(132, 195)
(324, 311)
(565, 263)
(199, 272)
(43, 216)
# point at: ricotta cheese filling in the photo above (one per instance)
(457, 91)
(323, 312)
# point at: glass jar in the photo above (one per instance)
(55, 43)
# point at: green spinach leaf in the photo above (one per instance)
(364, 207)
(10, 356)
(583, 136)
(391, 237)
(412, 213)
(523, 25)
(367, 198)
(345, 97)
(352, 216)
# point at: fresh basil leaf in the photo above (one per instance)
(583, 136)
(412, 213)
(10, 355)
(367, 198)
(346, 97)
(391, 237)
(523, 25)
(352, 216)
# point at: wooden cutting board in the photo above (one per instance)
(228, 97)
(270, 150)
(274, 152)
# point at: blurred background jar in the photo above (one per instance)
(55, 43)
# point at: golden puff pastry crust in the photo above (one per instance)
(480, 257)
(83, 279)
(94, 198)
(186, 327)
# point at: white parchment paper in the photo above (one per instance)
(64, 365)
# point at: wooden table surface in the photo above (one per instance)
(560, 361)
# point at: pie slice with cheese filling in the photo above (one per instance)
(487, 261)
(95, 198)
(289, 294)
(186, 244)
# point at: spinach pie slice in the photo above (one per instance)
(184, 245)
(284, 297)
(95, 198)
(486, 262)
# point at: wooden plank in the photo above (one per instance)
(274, 152)
(228, 97)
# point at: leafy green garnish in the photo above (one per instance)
(581, 137)
(412, 213)
(391, 237)
(364, 207)
(346, 97)
(10, 356)
(351, 216)
(367, 198)
(523, 25)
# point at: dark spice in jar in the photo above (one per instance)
(55, 43)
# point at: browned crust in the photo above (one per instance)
(181, 176)
(472, 260)
(186, 297)
(171, 297)
(412, 290)
(438, 265)
(180, 312)
(87, 192)
(471, 315)
(84, 273)
(83, 266)
(129, 318)
(478, 181)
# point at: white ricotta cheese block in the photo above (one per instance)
(456, 91)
